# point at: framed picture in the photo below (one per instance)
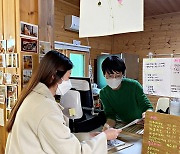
(27, 62)
(9, 60)
(26, 76)
(44, 47)
(10, 45)
(2, 46)
(8, 112)
(2, 60)
(7, 78)
(15, 79)
(28, 45)
(1, 77)
(29, 30)
(14, 60)
(2, 94)
(12, 92)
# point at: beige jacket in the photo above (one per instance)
(40, 128)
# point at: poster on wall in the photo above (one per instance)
(2, 94)
(1, 117)
(175, 78)
(161, 76)
(156, 80)
(27, 62)
(2, 46)
(2, 60)
(28, 45)
(44, 47)
(29, 30)
(11, 95)
(26, 76)
(1, 77)
(105, 17)
(10, 45)
(15, 79)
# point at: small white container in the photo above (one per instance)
(175, 106)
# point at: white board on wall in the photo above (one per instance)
(161, 76)
(111, 17)
(175, 78)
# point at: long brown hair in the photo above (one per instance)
(52, 68)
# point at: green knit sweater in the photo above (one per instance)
(127, 103)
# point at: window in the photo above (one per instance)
(80, 61)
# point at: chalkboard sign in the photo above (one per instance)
(161, 76)
(161, 134)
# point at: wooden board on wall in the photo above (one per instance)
(29, 11)
(1, 20)
(46, 21)
(9, 19)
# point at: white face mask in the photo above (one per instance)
(114, 83)
(63, 87)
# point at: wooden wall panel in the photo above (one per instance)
(98, 45)
(46, 20)
(29, 11)
(1, 20)
(161, 36)
(9, 19)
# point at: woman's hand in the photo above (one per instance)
(112, 133)
(93, 134)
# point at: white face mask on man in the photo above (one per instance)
(114, 82)
(63, 87)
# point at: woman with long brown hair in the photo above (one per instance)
(37, 124)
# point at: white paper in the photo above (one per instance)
(161, 76)
(157, 76)
(175, 78)
(111, 17)
(1, 117)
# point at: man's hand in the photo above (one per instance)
(143, 117)
(109, 124)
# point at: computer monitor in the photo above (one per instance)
(83, 85)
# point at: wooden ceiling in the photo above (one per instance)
(151, 7)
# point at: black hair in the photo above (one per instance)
(113, 64)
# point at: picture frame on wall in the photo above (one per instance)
(2, 46)
(2, 60)
(27, 62)
(11, 95)
(9, 60)
(44, 47)
(2, 94)
(10, 46)
(1, 77)
(28, 30)
(15, 79)
(7, 78)
(28, 45)
(14, 60)
(26, 76)
(8, 113)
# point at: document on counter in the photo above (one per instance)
(114, 143)
(130, 124)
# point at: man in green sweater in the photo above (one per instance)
(122, 98)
